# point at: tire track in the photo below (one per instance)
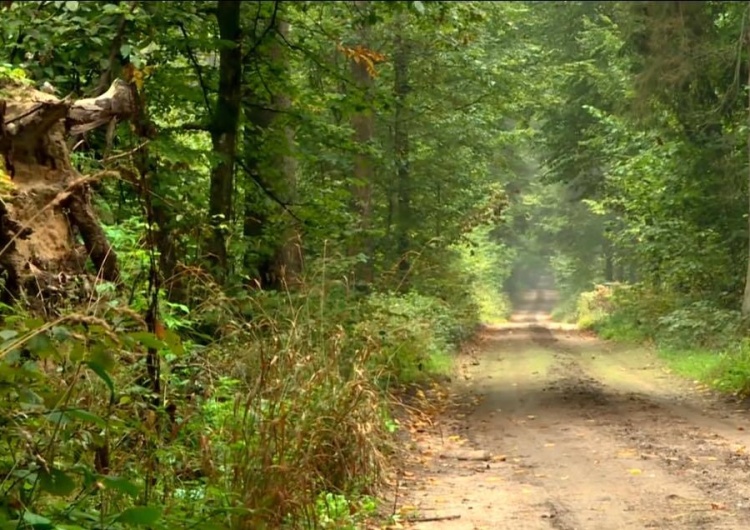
(591, 439)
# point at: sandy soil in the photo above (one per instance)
(559, 430)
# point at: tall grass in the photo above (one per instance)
(281, 423)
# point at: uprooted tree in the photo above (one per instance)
(48, 229)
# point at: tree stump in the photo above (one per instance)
(49, 232)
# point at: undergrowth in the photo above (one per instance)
(699, 339)
(282, 422)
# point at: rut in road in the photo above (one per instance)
(580, 435)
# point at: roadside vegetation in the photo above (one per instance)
(233, 235)
(222, 276)
(639, 205)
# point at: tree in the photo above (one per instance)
(224, 128)
(403, 187)
(363, 123)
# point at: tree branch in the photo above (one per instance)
(271, 25)
(198, 69)
(265, 189)
(106, 78)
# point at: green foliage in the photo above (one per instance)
(64, 406)
(396, 172)
(726, 370)
(414, 336)
(336, 511)
(254, 447)
(13, 74)
(594, 307)
(486, 265)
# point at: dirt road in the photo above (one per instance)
(563, 431)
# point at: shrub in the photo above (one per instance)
(594, 307)
(414, 336)
(700, 324)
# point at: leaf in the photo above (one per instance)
(635, 471)
(56, 482)
(37, 521)
(122, 485)
(140, 515)
(29, 396)
(104, 376)
(125, 50)
(174, 343)
(8, 334)
(149, 340)
(419, 6)
(85, 415)
(102, 357)
(56, 416)
(41, 345)
(71, 5)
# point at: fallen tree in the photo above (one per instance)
(50, 237)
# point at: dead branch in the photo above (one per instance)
(87, 114)
(433, 519)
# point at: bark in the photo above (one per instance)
(224, 133)
(402, 215)
(287, 261)
(47, 203)
(746, 296)
(82, 216)
(363, 123)
(269, 163)
(609, 265)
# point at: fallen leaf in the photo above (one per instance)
(635, 471)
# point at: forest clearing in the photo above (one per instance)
(374, 265)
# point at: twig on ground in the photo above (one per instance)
(434, 518)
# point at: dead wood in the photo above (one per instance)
(49, 232)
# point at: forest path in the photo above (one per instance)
(559, 430)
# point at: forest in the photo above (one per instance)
(236, 235)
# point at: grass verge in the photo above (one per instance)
(698, 340)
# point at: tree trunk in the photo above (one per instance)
(402, 215)
(224, 132)
(609, 266)
(746, 297)
(272, 170)
(287, 263)
(363, 123)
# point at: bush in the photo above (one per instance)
(635, 313)
(414, 336)
(632, 313)
(700, 339)
(283, 423)
(594, 307)
(699, 324)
